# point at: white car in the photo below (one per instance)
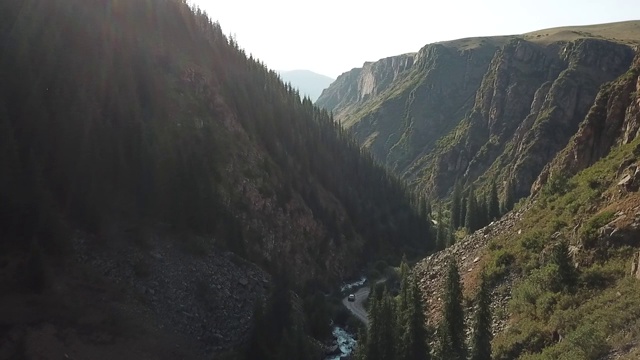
(351, 298)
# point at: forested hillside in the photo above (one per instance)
(138, 127)
(140, 113)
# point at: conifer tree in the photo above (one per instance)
(451, 239)
(482, 335)
(452, 332)
(463, 207)
(403, 297)
(482, 211)
(494, 204)
(389, 332)
(471, 213)
(413, 343)
(456, 199)
(566, 271)
(441, 236)
(509, 197)
(361, 348)
(293, 345)
(371, 349)
(382, 333)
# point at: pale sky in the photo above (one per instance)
(333, 36)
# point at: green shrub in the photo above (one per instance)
(533, 242)
(596, 277)
(545, 304)
(527, 337)
(557, 185)
(499, 265)
(590, 340)
(585, 343)
(589, 232)
(558, 224)
(534, 292)
(503, 259)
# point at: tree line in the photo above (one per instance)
(469, 210)
(398, 328)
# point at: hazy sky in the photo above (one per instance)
(334, 36)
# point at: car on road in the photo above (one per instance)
(351, 298)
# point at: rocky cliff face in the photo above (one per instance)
(359, 84)
(342, 92)
(495, 110)
(518, 73)
(613, 119)
(548, 104)
(400, 116)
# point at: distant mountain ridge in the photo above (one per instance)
(308, 82)
(451, 110)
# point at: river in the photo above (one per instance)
(345, 340)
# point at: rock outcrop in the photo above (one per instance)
(528, 107)
(482, 110)
(469, 255)
(359, 84)
(399, 116)
(635, 266)
(613, 119)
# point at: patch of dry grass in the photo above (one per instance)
(627, 32)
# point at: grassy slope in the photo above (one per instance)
(627, 32)
(603, 312)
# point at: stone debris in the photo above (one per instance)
(468, 253)
(207, 297)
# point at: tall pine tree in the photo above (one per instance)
(494, 203)
(452, 332)
(382, 336)
(471, 218)
(441, 233)
(403, 297)
(463, 207)
(451, 239)
(456, 198)
(566, 271)
(509, 197)
(482, 335)
(389, 332)
(413, 344)
(482, 210)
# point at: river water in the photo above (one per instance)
(355, 284)
(344, 339)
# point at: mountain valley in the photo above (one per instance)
(165, 195)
